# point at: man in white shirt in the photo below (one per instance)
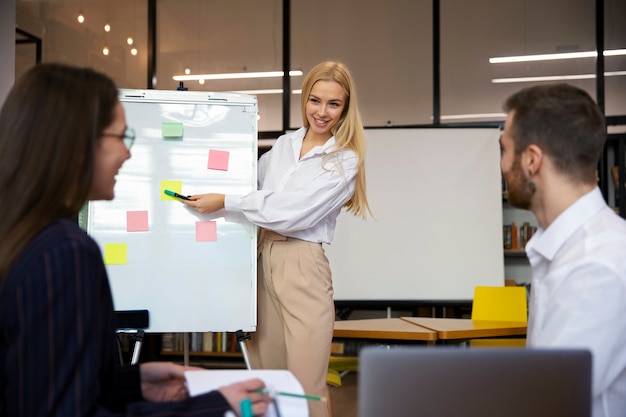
(551, 145)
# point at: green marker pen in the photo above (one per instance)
(173, 194)
(246, 408)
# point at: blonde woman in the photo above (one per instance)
(304, 182)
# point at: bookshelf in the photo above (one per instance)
(206, 349)
(209, 360)
(514, 253)
(517, 228)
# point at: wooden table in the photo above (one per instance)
(450, 329)
(387, 329)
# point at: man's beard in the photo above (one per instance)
(520, 188)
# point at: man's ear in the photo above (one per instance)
(532, 159)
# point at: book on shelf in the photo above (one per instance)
(207, 342)
(232, 342)
(167, 342)
(506, 235)
(527, 231)
(516, 237)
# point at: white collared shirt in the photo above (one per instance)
(578, 294)
(299, 197)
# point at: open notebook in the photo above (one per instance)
(201, 381)
(456, 382)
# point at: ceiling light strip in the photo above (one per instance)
(547, 57)
(473, 116)
(235, 75)
(267, 91)
(555, 78)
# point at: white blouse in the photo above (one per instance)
(299, 198)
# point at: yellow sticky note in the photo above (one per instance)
(115, 254)
(172, 185)
(172, 129)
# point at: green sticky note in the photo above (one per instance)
(115, 254)
(172, 129)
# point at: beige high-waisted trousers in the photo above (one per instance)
(296, 313)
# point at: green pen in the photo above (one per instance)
(174, 194)
(246, 408)
(290, 394)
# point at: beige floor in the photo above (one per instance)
(344, 398)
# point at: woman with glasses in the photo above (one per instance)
(128, 137)
(63, 139)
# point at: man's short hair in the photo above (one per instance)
(564, 122)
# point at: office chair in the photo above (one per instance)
(499, 303)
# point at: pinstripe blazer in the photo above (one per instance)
(57, 337)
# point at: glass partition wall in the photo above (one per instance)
(199, 37)
(494, 48)
(387, 45)
(84, 41)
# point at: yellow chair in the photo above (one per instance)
(333, 378)
(499, 303)
(337, 367)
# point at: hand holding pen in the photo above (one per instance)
(206, 203)
(247, 390)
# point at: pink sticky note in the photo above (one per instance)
(218, 160)
(137, 221)
(206, 231)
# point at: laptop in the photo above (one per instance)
(456, 382)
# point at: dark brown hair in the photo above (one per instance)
(49, 124)
(564, 122)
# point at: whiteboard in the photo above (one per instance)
(436, 196)
(192, 272)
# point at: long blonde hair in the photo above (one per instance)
(348, 132)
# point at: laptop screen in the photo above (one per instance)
(456, 382)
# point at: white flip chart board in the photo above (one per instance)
(192, 272)
(436, 195)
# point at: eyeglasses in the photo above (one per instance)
(128, 137)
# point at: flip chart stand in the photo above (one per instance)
(138, 338)
(133, 321)
(241, 338)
